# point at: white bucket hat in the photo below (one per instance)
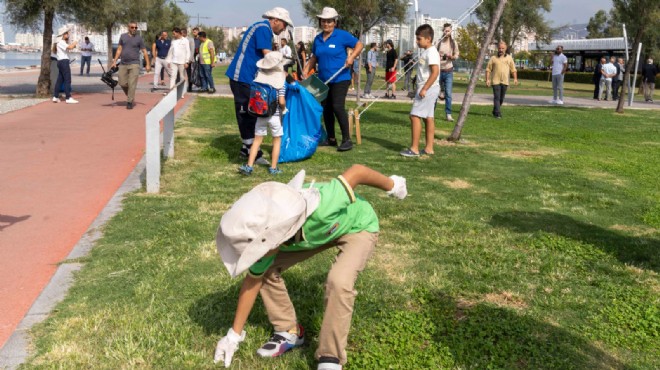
(279, 13)
(271, 71)
(328, 13)
(262, 219)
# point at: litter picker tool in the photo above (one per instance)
(106, 77)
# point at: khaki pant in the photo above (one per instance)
(128, 78)
(649, 89)
(354, 252)
(174, 69)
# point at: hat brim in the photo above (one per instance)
(274, 78)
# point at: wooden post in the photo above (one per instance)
(357, 126)
(351, 115)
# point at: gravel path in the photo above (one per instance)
(12, 104)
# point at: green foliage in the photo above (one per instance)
(359, 16)
(163, 18)
(602, 25)
(469, 41)
(215, 34)
(519, 16)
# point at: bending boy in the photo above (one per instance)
(273, 227)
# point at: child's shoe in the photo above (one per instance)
(245, 170)
(328, 363)
(281, 342)
(274, 171)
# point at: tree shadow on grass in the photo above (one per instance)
(483, 335)
(230, 144)
(639, 251)
(386, 144)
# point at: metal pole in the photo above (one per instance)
(625, 39)
(632, 92)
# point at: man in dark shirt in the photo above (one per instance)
(130, 45)
(649, 70)
(159, 51)
(596, 80)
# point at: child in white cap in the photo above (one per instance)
(276, 225)
(270, 73)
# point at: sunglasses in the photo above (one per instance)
(133, 28)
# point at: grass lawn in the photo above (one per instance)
(533, 244)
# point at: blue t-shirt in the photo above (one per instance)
(331, 54)
(163, 47)
(257, 37)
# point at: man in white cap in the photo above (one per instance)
(273, 227)
(64, 69)
(257, 41)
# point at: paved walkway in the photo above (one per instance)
(60, 165)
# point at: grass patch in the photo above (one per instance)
(534, 246)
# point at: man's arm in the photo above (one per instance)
(117, 54)
(563, 71)
(212, 52)
(153, 52)
(356, 51)
(72, 45)
(146, 59)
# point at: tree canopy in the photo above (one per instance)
(603, 25)
(519, 16)
(359, 16)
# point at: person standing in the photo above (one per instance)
(159, 51)
(329, 50)
(302, 59)
(649, 70)
(86, 50)
(191, 53)
(285, 49)
(608, 71)
(257, 41)
(130, 46)
(407, 60)
(206, 63)
(499, 68)
(559, 66)
(615, 79)
(391, 59)
(64, 69)
(178, 57)
(370, 67)
(448, 50)
(596, 80)
(619, 78)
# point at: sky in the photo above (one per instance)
(232, 13)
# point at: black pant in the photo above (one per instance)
(596, 88)
(64, 76)
(189, 74)
(335, 106)
(615, 88)
(246, 122)
(499, 91)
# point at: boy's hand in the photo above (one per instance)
(399, 190)
(227, 346)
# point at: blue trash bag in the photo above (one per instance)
(302, 125)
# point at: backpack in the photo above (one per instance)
(263, 100)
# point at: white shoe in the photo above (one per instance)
(553, 101)
(328, 366)
(56, 100)
(450, 118)
(560, 102)
(71, 101)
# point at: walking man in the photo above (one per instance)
(559, 66)
(206, 63)
(130, 45)
(159, 51)
(596, 79)
(178, 58)
(257, 41)
(616, 82)
(86, 50)
(448, 50)
(649, 70)
(191, 53)
(497, 75)
(370, 66)
(608, 71)
(64, 69)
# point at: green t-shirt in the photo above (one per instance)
(340, 212)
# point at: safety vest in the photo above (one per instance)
(204, 52)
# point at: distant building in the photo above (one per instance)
(572, 32)
(2, 36)
(583, 55)
(305, 34)
(31, 40)
(232, 33)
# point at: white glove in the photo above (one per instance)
(399, 189)
(285, 111)
(227, 346)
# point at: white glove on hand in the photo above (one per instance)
(227, 346)
(399, 190)
(285, 111)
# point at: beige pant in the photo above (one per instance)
(174, 69)
(128, 78)
(649, 89)
(354, 252)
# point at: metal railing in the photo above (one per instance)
(164, 111)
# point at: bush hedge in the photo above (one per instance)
(578, 77)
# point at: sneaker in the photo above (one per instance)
(450, 118)
(328, 142)
(345, 146)
(553, 101)
(274, 171)
(56, 100)
(211, 91)
(560, 102)
(71, 101)
(408, 153)
(328, 363)
(281, 342)
(129, 105)
(246, 170)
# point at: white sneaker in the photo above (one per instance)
(450, 118)
(71, 101)
(56, 100)
(328, 366)
(281, 342)
(553, 101)
(560, 102)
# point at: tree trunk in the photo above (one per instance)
(108, 31)
(43, 84)
(629, 67)
(465, 108)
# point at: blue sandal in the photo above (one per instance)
(408, 153)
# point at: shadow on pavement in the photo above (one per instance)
(7, 221)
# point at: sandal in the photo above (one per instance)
(408, 153)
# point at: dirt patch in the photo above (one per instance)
(526, 154)
(457, 184)
(392, 261)
(635, 230)
(607, 177)
(506, 299)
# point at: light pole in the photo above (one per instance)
(401, 35)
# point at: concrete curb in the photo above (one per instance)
(16, 350)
